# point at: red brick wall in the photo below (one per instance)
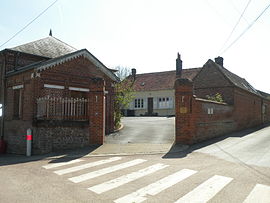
(212, 124)
(74, 73)
(266, 114)
(198, 119)
(15, 60)
(211, 81)
(248, 109)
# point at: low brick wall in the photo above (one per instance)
(198, 119)
(212, 120)
(49, 136)
(15, 131)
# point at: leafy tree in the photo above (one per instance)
(217, 97)
(123, 94)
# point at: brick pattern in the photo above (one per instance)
(211, 81)
(97, 112)
(197, 119)
(15, 60)
(78, 72)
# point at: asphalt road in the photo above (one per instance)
(154, 130)
(231, 169)
(250, 147)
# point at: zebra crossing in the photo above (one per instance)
(201, 193)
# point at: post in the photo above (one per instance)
(185, 118)
(29, 142)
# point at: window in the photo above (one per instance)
(17, 102)
(138, 103)
(165, 102)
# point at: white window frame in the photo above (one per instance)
(139, 103)
(165, 102)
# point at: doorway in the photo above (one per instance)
(150, 106)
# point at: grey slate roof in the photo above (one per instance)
(50, 47)
(237, 81)
(43, 65)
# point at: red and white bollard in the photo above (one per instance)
(29, 142)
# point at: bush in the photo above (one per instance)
(217, 97)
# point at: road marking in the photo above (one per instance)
(206, 191)
(84, 166)
(54, 165)
(157, 187)
(260, 194)
(104, 187)
(104, 171)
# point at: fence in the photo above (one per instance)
(51, 108)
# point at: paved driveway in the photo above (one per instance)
(154, 130)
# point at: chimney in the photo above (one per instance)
(219, 60)
(50, 34)
(133, 73)
(178, 65)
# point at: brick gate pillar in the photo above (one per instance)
(96, 110)
(184, 116)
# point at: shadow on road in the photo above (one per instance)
(172, 154)
(54, 157)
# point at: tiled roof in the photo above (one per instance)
(237, 81)
(43, 65)
(264, 94)
(161, 80)
(50, 47)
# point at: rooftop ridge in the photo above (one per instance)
(50, 47)
(64, 42)
(167, 71)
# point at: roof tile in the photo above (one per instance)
(161, 80)
(50, 47)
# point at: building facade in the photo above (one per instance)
(198, 119)
(154, 92)
(65, 96)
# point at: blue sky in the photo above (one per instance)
(147, 34)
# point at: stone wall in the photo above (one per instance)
(51, 136)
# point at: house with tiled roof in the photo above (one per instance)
(63, 95)
(154, 92)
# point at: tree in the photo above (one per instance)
(123, 93)
(217, 97)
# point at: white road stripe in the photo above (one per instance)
(259, 194)
(157, 187)
(206, 190)
(126, 178)
(88, 165)
(104, 171)
(54, 165)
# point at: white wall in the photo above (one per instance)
(155, 95)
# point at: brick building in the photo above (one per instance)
(198, 118)
(64, 95)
